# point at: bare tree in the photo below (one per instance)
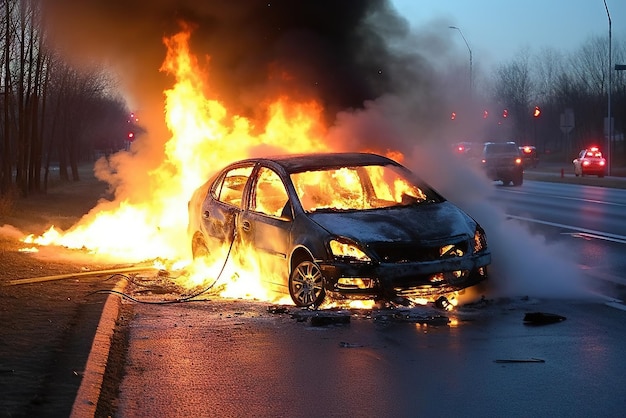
(587, 84)
(513, 89)
(7, 149)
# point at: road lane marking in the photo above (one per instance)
(600, 202)
(611, 302)
(607, 277)
(590, 233)
(616, 305)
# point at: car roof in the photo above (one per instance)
(503, 142)
(302, 162)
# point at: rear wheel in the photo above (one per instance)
(306, 284)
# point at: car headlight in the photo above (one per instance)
(347, 250)
(480, 240)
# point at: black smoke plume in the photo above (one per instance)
(337, 52)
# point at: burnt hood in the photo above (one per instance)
(418, 223)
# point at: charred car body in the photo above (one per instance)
(349, 225)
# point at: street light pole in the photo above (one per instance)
(471, 80)
(608, 119)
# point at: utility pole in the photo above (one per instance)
(609, 128)
(471, 79)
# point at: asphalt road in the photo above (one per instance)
(235, 358)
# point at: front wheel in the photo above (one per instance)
(306, 284)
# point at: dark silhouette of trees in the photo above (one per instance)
(557, 82)
(52, 112)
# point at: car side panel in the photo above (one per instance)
(218, 221)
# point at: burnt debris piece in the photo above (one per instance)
(322, 318)
(413, 317)
(542, 318)
(523, 360)
(344, 344)
(276, 309)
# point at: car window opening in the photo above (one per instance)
(270, 196)
(356, 188)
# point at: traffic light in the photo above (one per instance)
(453, 116)
(536, 112)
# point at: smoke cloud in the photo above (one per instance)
(337, 52)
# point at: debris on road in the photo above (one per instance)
(542, 318)
(344, 344)
(276, 309)
(91, 273)
(527, 360)
(410, 316)
(322, 318)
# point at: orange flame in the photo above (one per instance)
(153, 224)
(204, 138)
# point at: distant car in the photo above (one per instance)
(462, 147)
(529, 156)
(468, 150)
(350, 225)
(502, 161)
(590, 161)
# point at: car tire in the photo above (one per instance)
(306, 284)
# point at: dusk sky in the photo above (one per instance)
(496, 30)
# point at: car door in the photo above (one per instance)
(266, 223)
(224, 202)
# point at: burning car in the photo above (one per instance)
(344, 225)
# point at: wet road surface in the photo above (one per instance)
(234, 358)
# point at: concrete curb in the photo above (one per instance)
(88, 394)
